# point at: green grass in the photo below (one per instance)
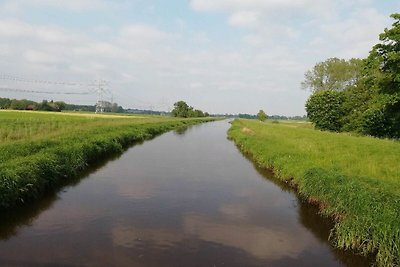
(355, 180)
(38, 150)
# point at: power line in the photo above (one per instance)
(100, 86)
(19, 79)
(8, 89)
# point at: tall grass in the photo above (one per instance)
(38, 150)
(355, 180)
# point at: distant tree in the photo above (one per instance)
(120, 109)
(206, 114)
(247, 116)
(261, 115)
(105, 106)
(16, 104)
(181, 109)
(198, 113)
(5, 103)
(114, 108)
(90, 108)
(191, 113)
(59, 105)
(21, 104)
(45, 106)
(333, 74)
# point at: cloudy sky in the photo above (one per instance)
(222, 56)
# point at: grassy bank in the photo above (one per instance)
(355, 180)
(38, 149)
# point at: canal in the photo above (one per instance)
(186, 198)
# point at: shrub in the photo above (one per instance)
(325, 110)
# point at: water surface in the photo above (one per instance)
(186, 198)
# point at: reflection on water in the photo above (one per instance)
(181, 130)
(182, 199)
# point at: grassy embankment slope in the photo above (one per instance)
(355, 180)
(38, 149)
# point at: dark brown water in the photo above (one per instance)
(186, 198)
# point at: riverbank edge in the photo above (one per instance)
(26, 179)
(346, 235)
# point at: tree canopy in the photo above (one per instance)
(325, 110)
(369, 99)
(332, 74)
(261, 115)
(183, 110)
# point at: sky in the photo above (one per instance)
(221, 56)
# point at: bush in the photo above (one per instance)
(325, 110)
(381, 118)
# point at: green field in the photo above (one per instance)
(38, 150)
(354, 180)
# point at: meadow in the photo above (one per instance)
(38, 150)
(354, 180)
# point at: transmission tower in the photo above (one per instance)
(101, 90)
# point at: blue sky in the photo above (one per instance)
(223, 56)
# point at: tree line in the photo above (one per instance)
(359, 95)
(57, 106)
(25, 104)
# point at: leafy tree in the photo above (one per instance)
(325, 110)
(383, 75)
(181, 109)
(5, 103)
(20, 104)
(191, 113)
(116, 109)
(378, 119)
(361, 95)
(332, 74)
(45, 105)
(59, 105)
(90, 108)
(357, 100)
(247, 116)
(198, 113)
(387, 53)
(261, 115)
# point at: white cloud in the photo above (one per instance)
(272, 34)
(74, 5)
(181, 24)
(258, 63)
(244, 4)
(283, 38)
(252, 239)
(244, 18)
(201, 38)
(350, 37)
(48, 34)
(263, 5)
(143, 34)
(37, 56)
(346, 28)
